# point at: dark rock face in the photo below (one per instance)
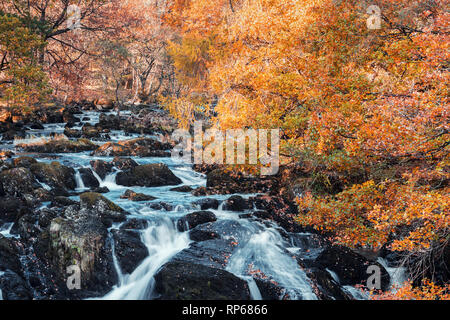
(149, 175)
(350, 267)
(194, 219)
(269, 290)
(198, 234)
(188, 281)
(88, 178)
(129, 249)
(327, 287)
(13, 287)
(133, 196)
(9, 256)
(55, 175)
(102, 168)
(207, 203)
(11, 209)
(237, 203)
(17, 181)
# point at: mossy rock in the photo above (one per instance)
(93, 200)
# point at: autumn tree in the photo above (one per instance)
(363, 106)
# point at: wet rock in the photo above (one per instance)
(36, 126)
(89, 180)
(350, 267)
(18, 181)
(182, 189)
(13, 287)
(90, 132)
(42, 194)
(124, 163)
(13, 134)
(134, 224)
(237, 203)
(327, 287)
(223, 181)
(26, 227)
(161, 206)
(141, 147)
(269, 289)
(207, 203)
(189, 281)
(9, 256)
(107, 210)
(198, 234)
(25, 162)
(60, 201)
(55, 175)
(11, 209)
(129, 249)
(60, 146)
(100, 190)
(193, 219)
(149, 175)
(82, 242)
(102, 168)
(46, 215)
(72, 133)
(133, 196)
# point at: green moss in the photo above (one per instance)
(92, 198)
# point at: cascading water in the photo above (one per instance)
(262, 251)
(162, 241)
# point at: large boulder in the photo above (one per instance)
(129, 249)
(194, 219)
(82, 242)
(190, 281)
(149, 175)
(17, 181)
(89, 180)
(55, 175)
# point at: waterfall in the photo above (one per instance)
(79, 180)
(110, 180)
(163, 241)
(264, 253)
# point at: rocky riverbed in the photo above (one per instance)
(89, 188)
